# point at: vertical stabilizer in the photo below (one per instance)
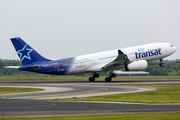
(26, 53)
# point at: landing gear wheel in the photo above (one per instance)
(108, 79)
(161, 64)
(91, 79)
(113, 75)
(96, 75)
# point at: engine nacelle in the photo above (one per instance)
(137, 65)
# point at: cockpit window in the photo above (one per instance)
(171, 45)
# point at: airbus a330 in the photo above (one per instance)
(132, 58)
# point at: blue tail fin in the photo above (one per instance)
(26, 53)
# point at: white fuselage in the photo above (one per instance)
(131, 58)
(95, 62)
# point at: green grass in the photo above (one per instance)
(156, 84)
(165, 95)
(86, 77)
(129, 116)
(5, 90)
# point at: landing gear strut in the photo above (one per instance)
(94, 75)
(161, 64)
(111, 75)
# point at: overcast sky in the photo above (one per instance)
(67, 28)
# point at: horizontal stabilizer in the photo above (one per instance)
(12, 67)
(34, 68)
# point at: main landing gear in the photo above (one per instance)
(111, 75)
(161, 64)
(92, 79)
(107, 79)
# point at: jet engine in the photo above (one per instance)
(137, 65)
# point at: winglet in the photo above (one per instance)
(26, 53)
(120, 52)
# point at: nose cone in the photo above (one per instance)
(175, 49)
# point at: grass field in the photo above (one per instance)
(86, 78)
(5, 90)
(156, 84)
(129, 116)
(165, 95)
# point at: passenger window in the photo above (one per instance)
(171, 45)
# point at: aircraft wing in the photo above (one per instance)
(121, 60)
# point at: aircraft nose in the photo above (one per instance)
(175, 49)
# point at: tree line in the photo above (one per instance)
(8, 71)
(170, 68)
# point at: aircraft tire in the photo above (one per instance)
(113, 75)
(108, 79)
(161, 64)
(96, 75)
(91, 79)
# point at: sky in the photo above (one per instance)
(67, 28)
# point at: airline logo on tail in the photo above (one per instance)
(24, 53)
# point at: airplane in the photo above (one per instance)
(131, 58)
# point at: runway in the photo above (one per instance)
(40, 104)
(68, 89)
(11, 108)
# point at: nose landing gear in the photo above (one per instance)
(161, 64)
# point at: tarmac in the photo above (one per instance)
(40, 103)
